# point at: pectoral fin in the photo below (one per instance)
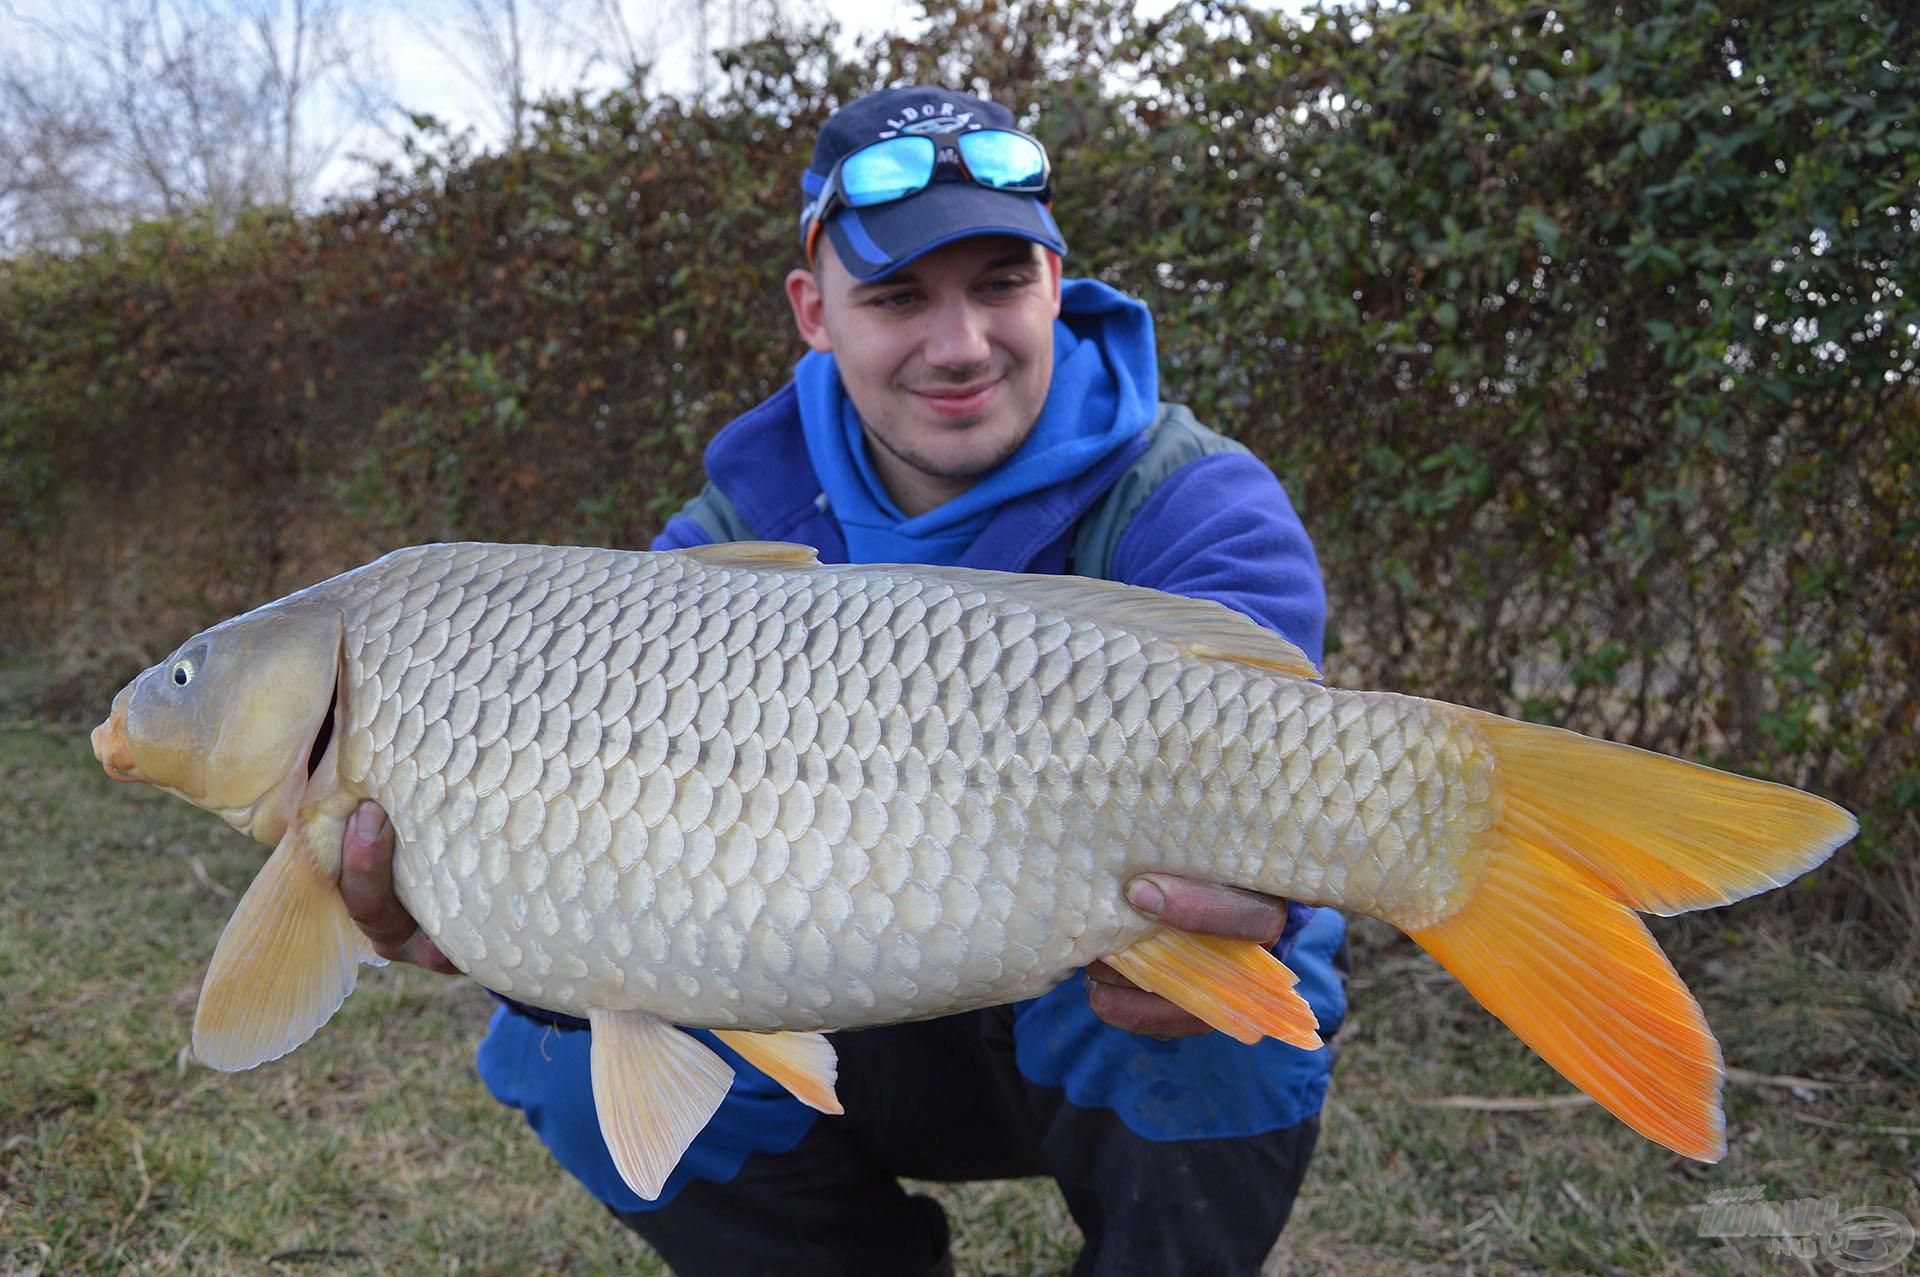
(654, 1088)
(1237, 986)
(804, 1063)
(289, 957)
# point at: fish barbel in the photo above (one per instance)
(732, 788)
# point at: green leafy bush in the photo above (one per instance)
(1584, 338)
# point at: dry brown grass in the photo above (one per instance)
(374, 1149)
(1401, 1183)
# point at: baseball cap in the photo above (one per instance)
(881, 238)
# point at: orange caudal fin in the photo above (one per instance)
(1588, 832)
(1579, 979)
(1660, 834)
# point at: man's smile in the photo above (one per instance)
(959, 401)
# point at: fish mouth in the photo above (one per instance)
(111, 747)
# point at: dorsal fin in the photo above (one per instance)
(1204, 629)
(752, 554)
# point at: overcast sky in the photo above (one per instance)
(426, 77)
(423, 63)
(413, 57)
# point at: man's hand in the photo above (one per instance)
(366, 884)
(1184, 905)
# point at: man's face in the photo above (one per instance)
(948, 360)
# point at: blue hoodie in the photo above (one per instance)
(1103, 395)
(1220, 528)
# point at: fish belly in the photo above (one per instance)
(826, 798)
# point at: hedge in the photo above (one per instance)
(1584, 338)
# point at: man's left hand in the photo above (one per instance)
(1185, 905)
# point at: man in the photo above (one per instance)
(962, 404)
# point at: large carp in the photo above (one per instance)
(730, 787)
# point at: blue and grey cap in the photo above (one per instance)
(881, 238)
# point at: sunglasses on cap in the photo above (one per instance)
(896, 167)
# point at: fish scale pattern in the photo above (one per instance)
(804, 797)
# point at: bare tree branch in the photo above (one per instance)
(300, 44)
(112, 110)
(599, 33)
(498, 47)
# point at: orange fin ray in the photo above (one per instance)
(804, 1063)
(1579, 979)
(1236, 986)
(752, 554)
(1586, 832)
(1660, 834)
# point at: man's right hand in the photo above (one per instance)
(366, 884)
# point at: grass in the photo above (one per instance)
(375, 1149)
(1402, 1186)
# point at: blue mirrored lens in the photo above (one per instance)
(889, 170)
(1005, 161)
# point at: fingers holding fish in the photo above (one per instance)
(1125, 1005)
(1209, 909)
(366, 884)
(1203, 908)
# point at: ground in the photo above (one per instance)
(375, 1148)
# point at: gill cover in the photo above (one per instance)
(229, 720)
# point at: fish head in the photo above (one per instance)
(236, 719)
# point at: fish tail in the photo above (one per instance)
(1587, 833)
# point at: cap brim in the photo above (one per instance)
(877, 241)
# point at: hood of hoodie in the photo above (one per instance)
(1104, 394)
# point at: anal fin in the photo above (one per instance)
(1236, 986)
(654, 1088)
(288, 958)
(804, 1063)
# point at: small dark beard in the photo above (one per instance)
(956, 474)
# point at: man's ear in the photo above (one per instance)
(1053, 277)
(809, 309)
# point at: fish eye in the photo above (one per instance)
(182, 672)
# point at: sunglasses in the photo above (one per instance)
(896, 167)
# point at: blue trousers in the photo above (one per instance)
(1172, 1156)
